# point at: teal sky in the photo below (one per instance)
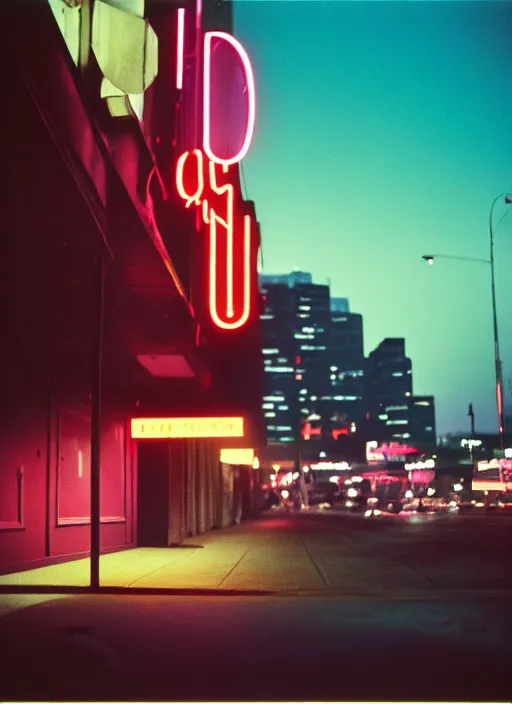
(384, 132)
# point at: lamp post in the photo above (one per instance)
(490, 262)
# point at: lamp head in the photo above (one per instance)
(428, 258)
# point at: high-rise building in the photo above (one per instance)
(314, 360)
(278, 325)
(290, 280)
(340, 305)
(389, 371)
(346, 354)
(393, 413)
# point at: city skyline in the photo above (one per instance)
(342, 390)
(402, 114)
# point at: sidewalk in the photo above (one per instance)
(306, 552)
(278, 551)
(247, 556)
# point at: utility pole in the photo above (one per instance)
(471, 414)
(298, 434)
(96, 393)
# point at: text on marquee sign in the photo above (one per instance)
(187, 428)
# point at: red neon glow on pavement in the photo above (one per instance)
(223, 319)
(251, 97)
(180, 48)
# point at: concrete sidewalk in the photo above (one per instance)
(247, 556)
(308, 552)
(278, 551)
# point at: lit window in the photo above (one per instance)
(397, 374)
(270, 414)
(267, 405)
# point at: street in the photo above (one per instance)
(316, 552)
(423, 604)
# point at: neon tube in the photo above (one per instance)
(251, 97)
(228, 224)
(180, 48)
(180, 186)
(232, 325)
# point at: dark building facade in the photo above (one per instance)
(123, 353)
(394, 414)
(278, 325)
(314, 361)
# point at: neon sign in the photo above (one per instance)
(167, 428)
(203, 179)
(229, 308)
(251, 98)
(330, 465)
(180, 47)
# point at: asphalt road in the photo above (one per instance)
(458, 553)
(437, 629)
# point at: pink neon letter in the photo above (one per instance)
(251, 97)
(180, 48)
(246, 306)
(180, 186)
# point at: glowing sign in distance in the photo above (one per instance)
(487, 485)
(235, 455)
(238, 291)
(427, 464)
(330, 465)
(180, 47)
(251, 97)
(165, 428)
(470, 443)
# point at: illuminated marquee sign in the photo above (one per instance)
(165, 428)
(469, 443)
(427, 464)
(233, 455)
(329, 465)
(394, 452)
(204, 179)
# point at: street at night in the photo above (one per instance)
(429, 596)
(256, 423)
(314, 552)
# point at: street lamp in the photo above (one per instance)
(507, 197)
